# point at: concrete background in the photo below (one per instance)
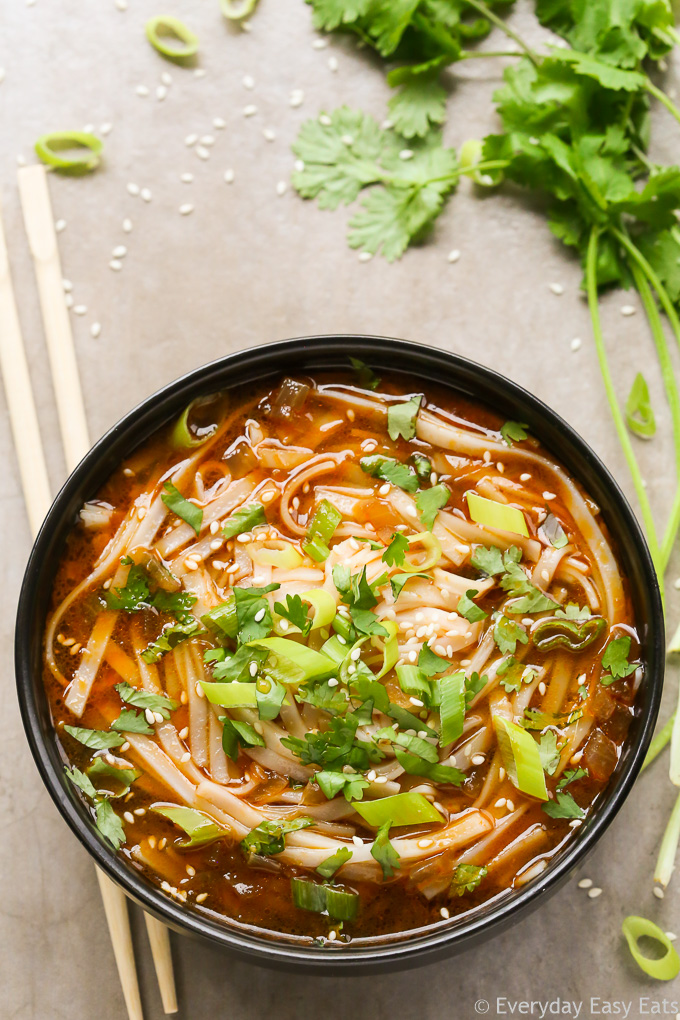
(249, 267)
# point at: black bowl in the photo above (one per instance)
(312, 354)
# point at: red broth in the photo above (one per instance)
(497, 723)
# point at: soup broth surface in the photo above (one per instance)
(336, 658)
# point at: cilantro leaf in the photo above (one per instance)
(390, 470)
(414, 765)
(527, 598)
(189, 512)
(336, 747)
(571, 776)
(506, 634)
(130, 721)
(367, 622)
(236, 666)
(395, 553)
(615, 657)
(430, 501)
(490, 560)
(98, 740)
(269, 702)
(351, 784)
(383, 851)
(401, 418)
(243, 520)
(397, 581)
(236, 733)
(81, 780)
(109, 824)
(144, 699)
(548, 753)
(419, 104)
(134, 596)
(430, 662)
(473, 685)
(171, 635)
(366, 377)
(514, 431)
(253, 613)
(296, 612)
(319, 694)
(513, 674)
(564, 806)
(332, 864)
(269, 837)
(466, 878)
(469, 609)
(121, 778)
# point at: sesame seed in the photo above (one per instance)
(671, 936)
(121, 5)
(585, 883)
(162, 844)
(425, 843)
(207, 140)
(576, 343)
(190, 140)
(357, 840)
(417, 702)
(183, 698)
(166, 78)
(333, 682)
(676, 584)
(320, 44)
(341, 639)
(454, 255)
(297, 97)
(658, 892)
(80, 309)
(371, 776)
(384, 489)
(161, 93)
(406, 154)
(628, 310)
(501, 773)
(510, 804)
(183, 733)
(95, 330)
(250, 110)
(542, 688)
(594, 893)
(252, 668)
(142, 91)
(214, 527)
(127, 226)
(248, 81)
(199, 691)
(185, 757)
(355, 654)
(158, 717)
(445, 913)
(149, 716)
(68, 300)
(325, 120)
(577, 822)
(116, 265)
(129, 817)
(145, 195)
(269, 134)
(186, 178)
(333, 63)
(67, 285)
(202, 152)
(202, 897)
(478, 759)
(525, 477)
(119, 252)
(556, 288)
(281, 188)
(219, 123)
(332, 936)
(60, 225)
(501, 802)
(549, 495)
(299, 165)
(199, 72)
(186, 209)
(140, 812)
(259, 615)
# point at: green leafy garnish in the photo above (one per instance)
(527, 598)
(547, 749)
(401, 418)
(383, 851)
(469, 609)
(514, 431)
(395, 553)
(466, 878)
(513, 674)
(130, 721)
(615, 658)
(430, 501)
(491, 561)
(296, 612)
(431, 663)
(506, 634)
(109, 824)
(253, 613)
(397, 582)
(98, 740)
(145, 699)
(244, 520)
(350, 784)
(423, 467)
(366, 377)
(473, 685)
(335, 747)
(82, 781)
(269, 837)
(189, 512)
(390, 470)
(237, 734)
(328, 867)
(564, 806)
(172, 635)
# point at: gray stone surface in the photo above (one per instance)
(249, 267)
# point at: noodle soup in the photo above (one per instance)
(338, 660)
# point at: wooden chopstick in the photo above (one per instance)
(42, 239)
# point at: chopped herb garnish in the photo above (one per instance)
(469, 609)
(473, 685)
(171, 636)
(130, 721)
(547, 749)
(564, 806)
(98, 740)
(506, 634)
(145, 699)
(390, 470)
(366, 377)
(333, 863)
(395, 553)
(401, 418)
(397, 582)
(109, 824)
(527, 598)
(514, 431)
(513, 674)
(615, 658)
(383, 851)
(253, 613)
(82, 781)
(237, 734)
(189, 512)
(423, 467)
(430, 501)
(466, 878)
(336, 747)
(269, 837)
(491, 561)
(431, 663)
(243, 520)
(296, 612)
(351, 784)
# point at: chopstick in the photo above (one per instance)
(42, 239)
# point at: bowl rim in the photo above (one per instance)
(133, 428)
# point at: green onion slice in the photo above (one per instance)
(230, 695)
(200, 828)
(669, 847)
(75, 152)
(321, 529)
(182, 436)
(222, 619)
(471, 153)
(171, 38)
(452, 707)
(294, 663)
(390, 648)
(664, 969)
(337, 903)
(237, 10)
(414, 682)
(521, 758)
(499, 516)
(424, 553)
(402, 809)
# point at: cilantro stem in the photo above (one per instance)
(473, 54)
(667, 371)
(619, 423)
(660, 95)
(658, 743)
(487, 13)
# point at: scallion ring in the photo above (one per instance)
(74, 152)
(182, 435)
(664, 969)
(171, 38)
(237, 10)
